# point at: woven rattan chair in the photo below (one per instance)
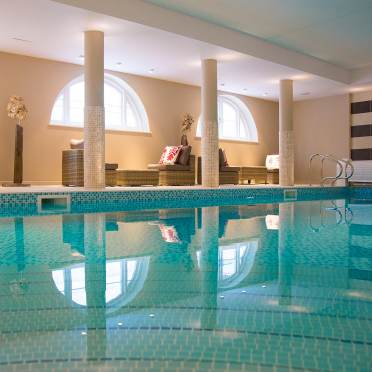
(73, 169)
(258, 174)
(130, 177)
(228, 175)
(176, 174)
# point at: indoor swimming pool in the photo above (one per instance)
(241, 287)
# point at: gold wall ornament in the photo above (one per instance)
(16, 108)
(187, 123)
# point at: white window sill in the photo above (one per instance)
(111, 131)
(247, 142)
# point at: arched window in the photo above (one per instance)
(124, 279)
(235, 121)
(235, 262)
(124, 110)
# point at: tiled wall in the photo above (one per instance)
(361, 135)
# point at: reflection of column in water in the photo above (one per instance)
(20, 243)
(95, 283)
(285, 252)
(209, 265)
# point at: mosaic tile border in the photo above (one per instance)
(106, 362)
(12, 204)
(361, 192)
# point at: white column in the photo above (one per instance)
(94, 115)
(285, 252)
(209, 265)
(286, 145)
(209, 139)
(95, 283)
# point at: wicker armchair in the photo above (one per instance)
(228, 175)
(176, 174)
(73, 169)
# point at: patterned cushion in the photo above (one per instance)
(76, 144)
(184, 156)
(272, 162)
(170, 154)
(111, 166)
(169, 234)
(222, 158)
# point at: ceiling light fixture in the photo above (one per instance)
(119, 63)
(81, 56)
(245, 89)
(222, 84)
(265, 94)
(152, 70)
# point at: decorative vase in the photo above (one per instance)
(18, 159)
(184, 141)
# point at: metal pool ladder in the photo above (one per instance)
(345, 168)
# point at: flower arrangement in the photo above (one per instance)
(16, 108)
(187, 123)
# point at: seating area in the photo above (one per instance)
(182, 171)
(73, 169)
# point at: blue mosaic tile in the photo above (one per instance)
(26, 203)
(186, 286)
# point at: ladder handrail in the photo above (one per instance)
(333, 178)
(325, 157)
(348, 164)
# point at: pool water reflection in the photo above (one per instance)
(246, 287)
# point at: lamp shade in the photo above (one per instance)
(272, 162)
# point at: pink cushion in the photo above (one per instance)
(170, 154)
(169, 234)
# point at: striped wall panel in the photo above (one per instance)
(361, 135)
(360, 243)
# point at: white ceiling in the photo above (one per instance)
(337, 31)
(55, 31)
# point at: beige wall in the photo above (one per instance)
(39, 82)
(320, 126)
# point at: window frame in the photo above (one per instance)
(128, 97)
(243, 114)
(129, 288)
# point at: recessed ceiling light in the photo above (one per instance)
(305, 94)
(265, 94)
(81, 56)
(22, 40)
(222, 84)
(301, 77)
(245, 89)
(151, 70)
(119, 63)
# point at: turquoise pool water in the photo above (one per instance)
(232, 288)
